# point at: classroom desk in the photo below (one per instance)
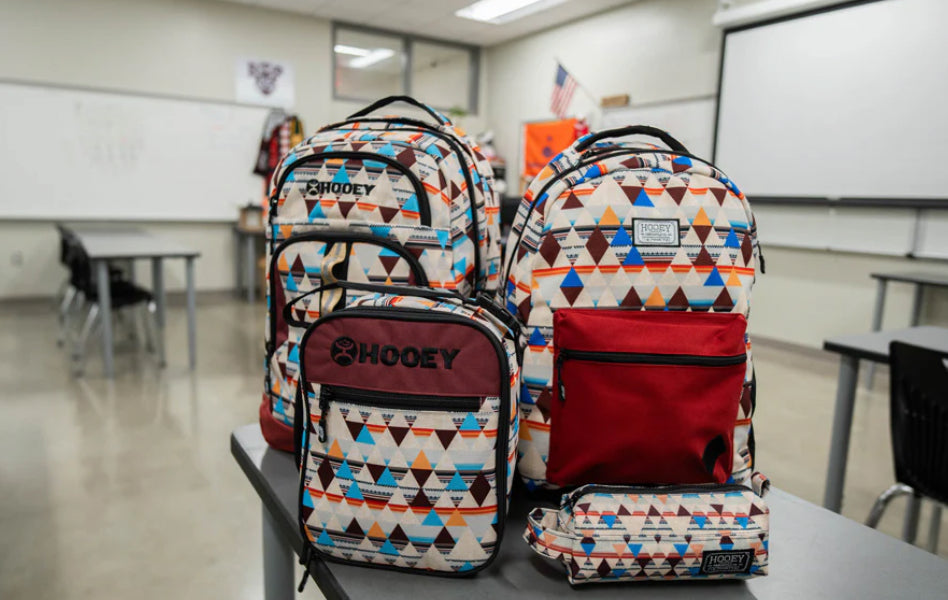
(246, 275)
(873, 347)
(815, 554)
(105, 244)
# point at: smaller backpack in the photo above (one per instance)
(410, 405)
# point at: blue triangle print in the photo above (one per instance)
(294, 354)
(682, 160)
(432, 520)
(411, 204)
(317, 212)
(457, 484)
(466, 567)
(344, 472)
(714, 278)
(621, 238)
(700, 521)
(633, 258)
(374, 164)
(291, 176)
(572, 279)
(470, 423)
(442, 237)
(307, 499)
(591, 172)
(341, 176)
(291, 283)
(588, 547)
(324, 539)
(731, 241)
(380, 230)
(367, 137)
(642, 199)
(387, 150)
(635, 549)
(354, 492)
(681, 549)
(387, 479)
(536, 338)
(384, 251)
(433, 151)
(742, 521)
(475, 177)
(609, 519)
(461, 266)
(365, 437)
(388, 548)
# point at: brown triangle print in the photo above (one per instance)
(754, 510)
(549, 249)
(346, 207)
(406, 157)
(389, 262)
(375, 470)
(676, 193)
(597, 244)
(444, 538)
(398, 535)
(683, 512)
(298, 267)
(446, 436)
(325, 473)
(355, 428)
(354, 530)
(704, 258)
(420, 500)
(678, 300)
(632, 299)
(631, 192)
(543, 403)
(623, 511)
(746, 405)
(397, 433)
(388, 213)
(455, 191)
(719, 194)
(479, 489)
(572, 201)
(723, 303)
(421, 476)
(747, 249)
(571, 293)
(702, 231)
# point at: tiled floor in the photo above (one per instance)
(127, 489)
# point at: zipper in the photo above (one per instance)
(691, 488)
(424, 207)
(334, 393)
(503, 425)
(637, 358)
(421, 279)
(422, 127)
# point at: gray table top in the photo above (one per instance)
(125, 243)
(875, 345)
(815, 554)
(924, 277)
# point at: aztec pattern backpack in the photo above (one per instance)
(402, 200)
(410, 446)
(657, 242)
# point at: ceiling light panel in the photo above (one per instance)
(498, 12)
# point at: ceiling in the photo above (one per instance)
(435, 18)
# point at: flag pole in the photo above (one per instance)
(586, 91)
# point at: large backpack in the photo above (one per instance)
(646, 232)
(389, 200)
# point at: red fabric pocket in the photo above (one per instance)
(645, 397)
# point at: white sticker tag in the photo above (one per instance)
(656, 232)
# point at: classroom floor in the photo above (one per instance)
(127, 488)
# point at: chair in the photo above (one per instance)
(123, 293)
(919, 422)
(68, 293)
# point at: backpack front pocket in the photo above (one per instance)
(645, 397)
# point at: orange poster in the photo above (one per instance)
(543, 141)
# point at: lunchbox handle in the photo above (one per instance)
(544, 537)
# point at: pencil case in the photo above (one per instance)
(606, 533)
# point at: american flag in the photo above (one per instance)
(563, 90)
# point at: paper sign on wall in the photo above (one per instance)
(266, 82)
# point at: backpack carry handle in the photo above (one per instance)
(441, 119)
(648, 130)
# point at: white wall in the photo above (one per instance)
(661, 50)
(180, 47)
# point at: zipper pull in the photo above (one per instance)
(304, 560)
(760, 256)
(559, 377)
(324, 395)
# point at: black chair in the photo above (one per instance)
(919, 420)
(123, 294)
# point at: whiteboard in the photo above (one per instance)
(690, 121)
(78, 154)
(848, 102)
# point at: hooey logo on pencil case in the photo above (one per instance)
(345, 351)
(730, 562)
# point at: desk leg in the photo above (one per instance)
(238, 263)
(917, 298)
(105, 306)
(934, 528)
(910, 524)
(192, 318)
(158, 289)
(876, 325)
(277, 562)
(251, 265)
(842, 424)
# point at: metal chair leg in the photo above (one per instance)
(934, 528)
(92, 318)
(899, 489)
(154, 334)
(64, 307)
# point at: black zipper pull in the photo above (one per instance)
(559, 377)
(760, 255)
(324, 395)
(304, 560)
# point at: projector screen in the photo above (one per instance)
(849, 102)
